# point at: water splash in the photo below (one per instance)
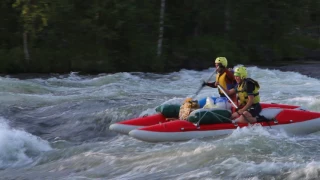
(17, 147)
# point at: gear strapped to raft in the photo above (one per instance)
(187, 107)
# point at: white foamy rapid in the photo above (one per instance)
(71, 113)
(17, 147)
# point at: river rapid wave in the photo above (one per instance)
(57, 127)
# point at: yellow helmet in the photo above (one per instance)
(241, 72)
(222, 60)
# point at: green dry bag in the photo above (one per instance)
(169, 110)
(210, 116)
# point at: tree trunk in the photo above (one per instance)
(25, 47)
(160, 39)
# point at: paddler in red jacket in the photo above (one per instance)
(224, 78)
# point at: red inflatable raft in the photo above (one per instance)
(292, 121)
(126, 126)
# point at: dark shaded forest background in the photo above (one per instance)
(45, 36)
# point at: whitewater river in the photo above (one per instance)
(57, 127)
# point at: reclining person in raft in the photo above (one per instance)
(224, 78)
(247, 90)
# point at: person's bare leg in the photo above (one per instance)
(245, 117)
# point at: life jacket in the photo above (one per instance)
(242, 92)
(221, 78)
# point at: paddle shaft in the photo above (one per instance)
(228, 97)
(233, 103)
(202, 86)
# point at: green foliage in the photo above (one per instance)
(10, 60)
(111, 36)
(33, 14)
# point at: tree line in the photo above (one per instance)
(45, 36)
